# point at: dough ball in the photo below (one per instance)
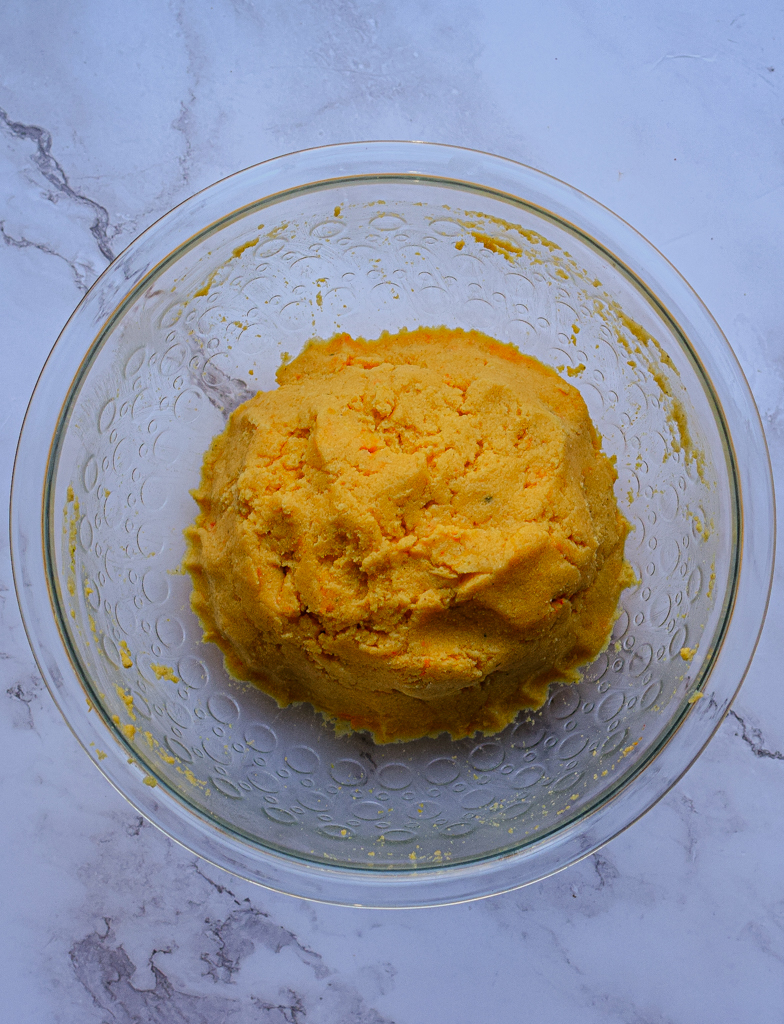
(415, 535)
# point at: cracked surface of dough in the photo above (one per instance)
(415, 535)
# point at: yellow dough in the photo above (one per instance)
(416, 535)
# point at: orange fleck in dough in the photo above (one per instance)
(416, 535)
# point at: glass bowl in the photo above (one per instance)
(191, 320)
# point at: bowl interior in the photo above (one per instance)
(205, 331)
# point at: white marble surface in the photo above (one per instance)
(672, 114)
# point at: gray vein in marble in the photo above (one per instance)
(596, 893)
(760, 74)
(595, 886)
(185, 124)
(292, 1012)
(623, 1010)
(605, 870)
(105, 970)
(135, 827)
(685, 809)
(57, 178)
(763, 940)
(220, 889)
(81, 279)
(24, 695)
(246, 930)
(754, 739)
(238, 935)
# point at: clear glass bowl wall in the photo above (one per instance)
(160, 387)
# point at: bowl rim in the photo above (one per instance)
(747, 453)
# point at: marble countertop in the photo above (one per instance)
(672, 115)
